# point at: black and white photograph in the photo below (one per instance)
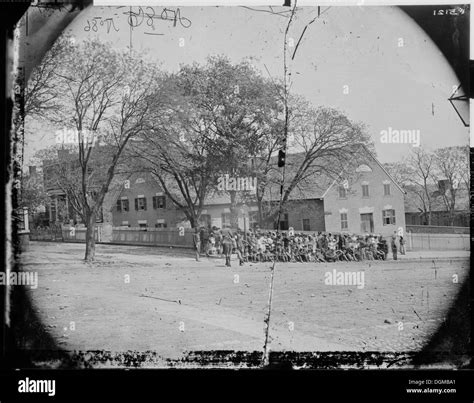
(240, 187)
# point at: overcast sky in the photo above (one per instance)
(402, 87)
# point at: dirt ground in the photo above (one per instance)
(162, 300)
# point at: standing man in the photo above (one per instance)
(227, 243)
(402, 245)
(204, 240)
(393, 244)
(239, 247)
(197, 243)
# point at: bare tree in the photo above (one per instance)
(451, 167)
(40, 93)
(105, 96)
(177, 154)
(420, 166)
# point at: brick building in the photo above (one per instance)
(370, 202)
(141, 203)
(373, 203)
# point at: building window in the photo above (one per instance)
(342, 192)
(161, 225)
(386, 189)
(226, 220)
(142, 226)
(344, 224)
(140, 203)
(365, 190)
(123, 205)
(253, 219)
(388, 217)
(306, 226)
(284, 222)
(159, 202)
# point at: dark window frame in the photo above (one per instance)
(123, 205)
(386, 219)
(139, 207)
(364, 193)
(159, 202)
(344, 220)
(342, 192)
(306, 224)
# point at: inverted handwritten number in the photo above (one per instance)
(150, 17)
(110, 24)
(134, 19)
(185, 23)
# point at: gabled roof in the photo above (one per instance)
(383, 169)
(368, 152)
(314, 187)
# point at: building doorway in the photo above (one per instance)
(367, 223)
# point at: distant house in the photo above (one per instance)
(415, 215)
(374, 203)
(368, 201)
(64, 169)
(142, 203)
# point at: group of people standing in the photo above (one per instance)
(264, 246)
(217, 242)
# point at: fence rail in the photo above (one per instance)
(153, 236)
(63, 234)
(418, 241)
(175, 237)
(434, 229)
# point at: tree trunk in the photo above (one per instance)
(260, 212)
(90, 239)
(234, 217)
(452, 216)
